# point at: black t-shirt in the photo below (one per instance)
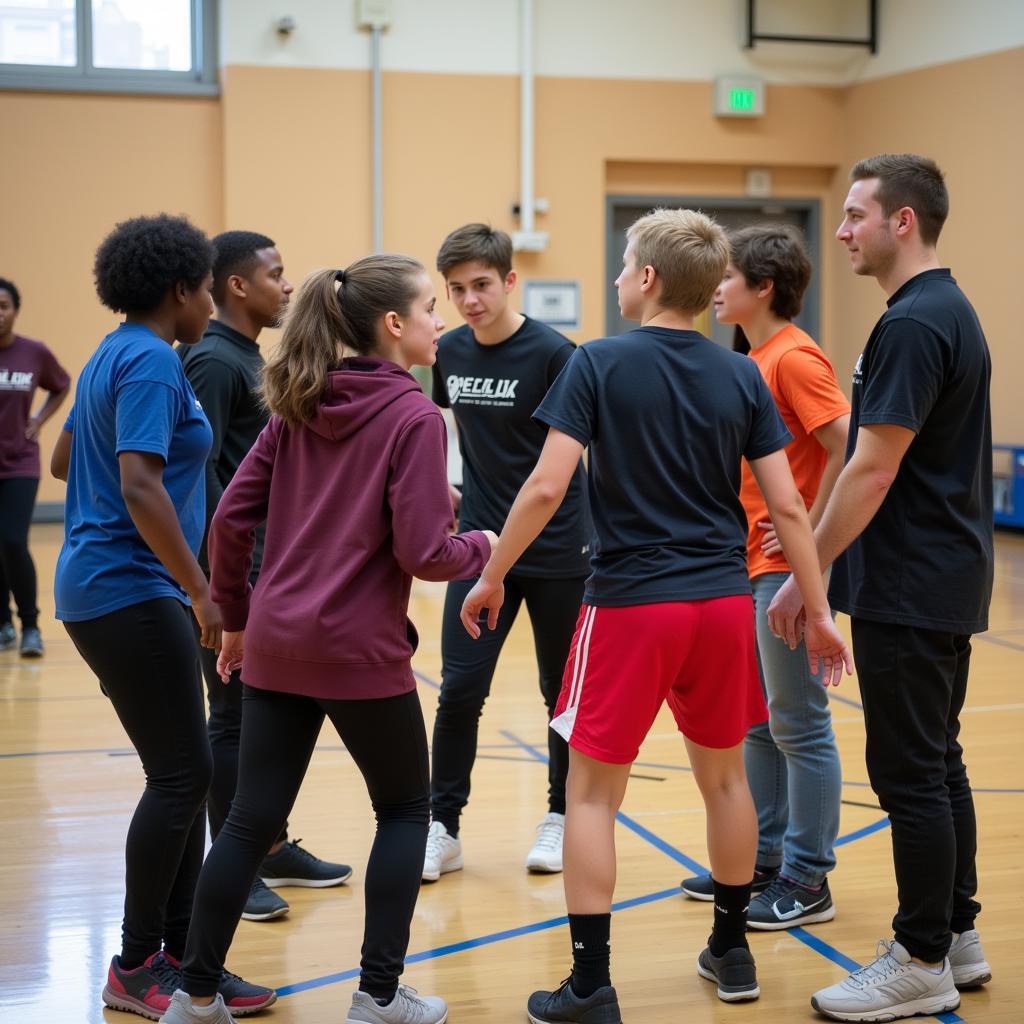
(925, 559)
(667, 415)
(492, 391)
(224, 369)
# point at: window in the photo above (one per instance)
(163, 46)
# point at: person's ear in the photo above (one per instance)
(236, 286)
(765, 288)
(510, 281)
(393, 324)
(904, 218)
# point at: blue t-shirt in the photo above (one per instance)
(132, 396)
(667, 415)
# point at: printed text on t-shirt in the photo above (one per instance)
(480, 390)
(15, 380)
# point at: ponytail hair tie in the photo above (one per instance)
(339, 280)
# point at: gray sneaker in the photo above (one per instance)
(891, 987)
(181, 1011)
(8, 638)
(31, 643)
(406, 1008)
(734, 972)
(563, 1006)
(263, 904)
(970, 968)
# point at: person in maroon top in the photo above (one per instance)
(349, 476)
(24, 366)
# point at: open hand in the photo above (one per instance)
(230, 658)
(827, 648)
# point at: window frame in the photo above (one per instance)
(202, 80)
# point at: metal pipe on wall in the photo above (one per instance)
(378, 139)
(526, 199)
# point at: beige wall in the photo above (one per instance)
(963, 116)
(74, 165)
(287, 151)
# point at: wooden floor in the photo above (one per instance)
(485, 937)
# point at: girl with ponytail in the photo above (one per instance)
(350, 477)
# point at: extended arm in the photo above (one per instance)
(537, 501)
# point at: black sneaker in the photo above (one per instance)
(263, 904)
(734, 971)
(563, 1006)
(701, 887)
(292, 865)
(8, 638)
(787, 904)
(31, 643)
(242, 998)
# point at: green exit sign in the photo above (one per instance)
(742, 99)
(739, 96)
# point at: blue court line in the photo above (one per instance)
(846, 700)
(475, 943)
(998, 641)
(811, 941)
(426, 679)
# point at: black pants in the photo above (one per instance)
(146, 660)
(17, 571)
(913, 684)
(224, 727)
(467, 668)
(388, 742)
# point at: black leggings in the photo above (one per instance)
(224, 727)
(388, 742)
(146, 660)
(17, 572)
(467, 668)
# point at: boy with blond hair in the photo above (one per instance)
(667, 612)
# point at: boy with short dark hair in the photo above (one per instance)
(667, 613)
(493, 372)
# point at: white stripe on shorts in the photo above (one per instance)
(564, 723)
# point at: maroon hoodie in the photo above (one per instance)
(356, 504)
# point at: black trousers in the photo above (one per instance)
(146, 660)
(388, 742)
(224, 728)
(913, 684)
(467, 668)
(17, 571)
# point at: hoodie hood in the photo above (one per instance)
(356, 392)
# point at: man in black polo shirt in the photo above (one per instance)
(909, 526)
(224, 369)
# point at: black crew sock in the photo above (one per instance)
(591, 952)
(730, 918)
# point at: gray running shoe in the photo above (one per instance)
(263, 904)
(889, 988)
(181, 1011)
(8, 637)
(294, 865)
(787, 904)
(563, 1006)
(31, 644)
(970, 968)
(734, 971)
(406, 1008)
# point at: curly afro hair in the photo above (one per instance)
(143, 258)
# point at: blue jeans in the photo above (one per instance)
(792, 761)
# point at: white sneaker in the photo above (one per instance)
(970, 968)
(891, 987)
(546, 855)
(180, 1010)
(406, 1008)
(444, 853)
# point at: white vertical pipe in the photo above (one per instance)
(526, 199)
(378, 144)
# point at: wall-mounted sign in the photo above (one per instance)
(739, 96)
(553, 302)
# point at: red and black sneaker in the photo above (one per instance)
(239, 996)
(147, 990)
(242, 998)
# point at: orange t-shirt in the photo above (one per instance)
(804, 385)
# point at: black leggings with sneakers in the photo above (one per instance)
(388, 742)
(17, 571)
(146, 659)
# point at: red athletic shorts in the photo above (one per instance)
(625, 662)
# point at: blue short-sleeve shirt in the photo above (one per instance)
(667, 415)
(132, 396)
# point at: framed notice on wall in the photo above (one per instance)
(553, 302)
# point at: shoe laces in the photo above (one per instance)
(302, 853)
(884, 965)
(549, 835)
(167, 975)
(408, 1002)
(435, 841)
